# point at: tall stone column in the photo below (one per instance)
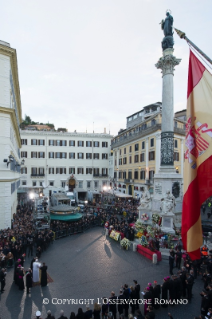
(167, 64)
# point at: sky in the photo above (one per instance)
(88, 64)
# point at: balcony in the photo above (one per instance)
(37, 175)
(100, 175)
(128, 181)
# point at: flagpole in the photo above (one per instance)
(182, 35)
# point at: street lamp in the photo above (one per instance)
(177, 169)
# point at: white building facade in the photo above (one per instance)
(10, 142)
(78, 162)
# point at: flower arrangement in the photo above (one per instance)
(152, 245)
(155, 218)
(139, 234)
(144, 241)
(144, 217)
(125, 243)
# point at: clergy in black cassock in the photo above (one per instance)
(43, 281)
(29, 279)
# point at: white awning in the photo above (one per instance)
(122, 195)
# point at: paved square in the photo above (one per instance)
(86, 266)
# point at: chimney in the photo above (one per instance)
(104, 130)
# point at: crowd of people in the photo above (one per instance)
(25, 240)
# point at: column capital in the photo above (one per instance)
(167, 64)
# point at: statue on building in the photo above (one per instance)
(166, 26)
(168, 203)
(145, 199)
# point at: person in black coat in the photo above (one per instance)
(164, 289)
(126, 293)
(112, 304)
(104, 307)
(43, 281)
(147, 298)
(62, 315)
(171, 263)
(133, 299)
(120, 305)
(2, 278)
(172, 290)
(178, 258)
(137, 290)
(80, 314)
(29, 279)
(156, 295)
(88, 313)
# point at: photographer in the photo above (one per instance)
(2, 278)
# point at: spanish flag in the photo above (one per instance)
(198, 154)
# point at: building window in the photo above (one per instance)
(129, 175)
(88, 144)
(115, 174)
(104, 144)
(96, 171)
(51, 170)
(151, 174)
(41, 155)
(151, 142)
(58, 143)
(120, 175)
(142, 174)
(96, 144)
(136, 175)
(104, 156)
(130, 149)
(33, 142)
(175, 124)
(71, 143)
(124, 160)
(175, 144)
(51, 183)
(104, 171)
(72, 155)
(88, 170)
(176, 156)
(115, 162)
(60, 170)
(136, 147)
(63, 184)
(71, 170)
(125, 150)
(34, 184)
(24, 170)
(81, 143)
(119, 152)
(124, 175)
(23, 142)
(33, 154)
(51, 154)
(88, 184)
(120, 161)
(24, 154)
(80, 155)
(130, 159)
(51, 142)
(41, 171)
(88, 155)
(63, 143)
(80, 170)
(96, 156)
(142, 155)
(34, 171)
(80, 184)
(24, 183)
(143, 145)
(96, 184)
(152, 156)
(41, 184)
(136, 159)
(41, 142)
(57, 155)
(63, 155)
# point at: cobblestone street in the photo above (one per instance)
(86, 266)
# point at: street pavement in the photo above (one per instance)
(88, 266)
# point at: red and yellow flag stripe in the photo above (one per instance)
(198, 162)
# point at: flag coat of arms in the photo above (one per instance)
(198, 154)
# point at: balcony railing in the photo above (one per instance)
(128, 181)
(100, 175)
(37, 175)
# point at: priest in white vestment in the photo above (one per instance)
(36, 267)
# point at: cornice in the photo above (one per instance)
(66, 134)
(11, 113)
(11, 53)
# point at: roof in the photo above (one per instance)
(122, 195)
(63, 208)
(63, 217)
(60, 196)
